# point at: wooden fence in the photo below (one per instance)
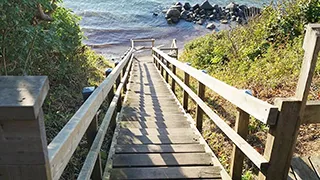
(24, 151)
(283, 118)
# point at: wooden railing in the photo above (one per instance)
(173, 50)
(283, 119)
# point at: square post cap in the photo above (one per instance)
(21, 97)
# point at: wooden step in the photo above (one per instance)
(174, 148)
(150, 124)
(130, 117)
(165, 159)
(162, 139)
(157, 114)
(206, 172)
(155, 131)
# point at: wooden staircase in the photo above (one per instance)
(154, 138)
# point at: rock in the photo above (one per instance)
(206, 5)
(211, 26)
(201, 21)
(184, 15)
(224, 21)
(202, 11)
(231, 6)
(215, 6)
(196, 6)
(239, 20)
(172, 12)
(187, 6)
(155, 14)
(233, 18)
(212, 17)
(173, 15)
(178, 4)
(243, 7)
(175, 20)
(179, 7)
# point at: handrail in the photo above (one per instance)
(245, 147)
(259, 109)
(65, 143)
(89, 163)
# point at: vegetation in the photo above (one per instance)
(264, 56)
(40, 38)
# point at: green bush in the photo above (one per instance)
(31, 45)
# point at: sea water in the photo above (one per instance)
(110, 24)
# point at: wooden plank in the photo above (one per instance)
(199, 111)
(241, 127)
(154, 109)
(173, 83)
(138, 114)
(162, 139)
(208, 172)
(281, 139)
(167, 159)
(155, 131)
(315, 162)
(65, 143)
(311, 46)
(185, 99)
(20, 154)
(91, 159)
(301, 169)
(137, 117)
(174, 148)
(245, 147)
(259, 109)
(312, 113)
(148, 124)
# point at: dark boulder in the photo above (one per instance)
(172, 12)
(206, 5)
(184, 15)
(196, 6)
(187, 6)
(179, 7)
(178, 4)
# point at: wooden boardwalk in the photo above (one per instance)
(154, 138)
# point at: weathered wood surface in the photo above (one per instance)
(259, 109)
(154, 134)
(22, 96)
(242, 144)
(311, 114)
(90, 165)
(207, 172)
(302, 168)
(62, 147)
(23, 151)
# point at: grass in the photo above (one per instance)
(264, 56)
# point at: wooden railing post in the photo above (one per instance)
(173, 85)
(162, 69)
(185, 98)
(282, 137)
(118, 81)
(167, 73)
(23, 141)
(199, 111)
(241, 127)
(91, 134)
(111, 93)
